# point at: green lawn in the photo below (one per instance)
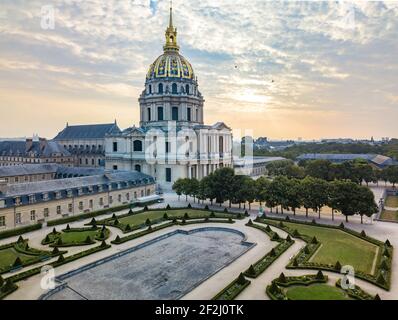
(74, 237)
(392, 201)
(389, 215)
(138, 219)
(8, 256)
(316, 292)
(339, 246)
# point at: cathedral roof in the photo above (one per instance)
(95, 131)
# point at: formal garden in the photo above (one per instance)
(390, 211)
(313, 287)
(70, 237)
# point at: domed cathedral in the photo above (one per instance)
(171, 88)
(172, 140)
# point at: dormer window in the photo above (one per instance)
(32, 198)
(58, 195)
(17, 201)
(45, 196)
(70, 193)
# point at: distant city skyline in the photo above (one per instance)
(285, 70)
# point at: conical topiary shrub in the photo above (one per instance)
(212, 214)
(377, 297)
(251, 271)
(250, 223)
(246, 213)
(146, 208)
(268, 228)
(186, 216)
(314, 240)
(295, 262)
(282, 278)
(61, 258)
(207, 219)
(183, 221)
(20, 239)
(281, 224)
(341, 225)
(288, 238)
(67, 227)
(88, 240)
(380, 280)
(319, 275)
(337, 266)
(165, 216)
(59, 242)
(306, 250)
(287, 218)
(55, 251)
(17, 263)
(386, 253)
(313, 221)
(168, 207)
(387, 243)
(363, 233)
(275, 237)
(239, 216)
(272, 253)
(103, 244)
(206, 207)
(114, 216)
(384, 265)
(225, 210)
(1, 281)
(117, 239)
(148, 222)
(93, 221)
(230, 220)
(47, 239)
(127, 228)
(296, 233)
(116, 222)
(54, 231)
(241, 279)
(189, 206)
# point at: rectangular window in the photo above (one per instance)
(101, 201)
(168, 174)
(128, 196)
(174, 114)
(45, 212)
(70, 207)
(160, 114)
(115, 167)
(115, 147)
(33, 215)
(167, 147)
(2, 221)
(149, 114)
(110, 199)
(189, 114)
(18, 219)
(81, 205)
(91, 204)
(58, 209)
(119, 198)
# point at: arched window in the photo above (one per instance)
(187, 89)
(149, 114)
(160, 88)
(174, 88)
(150, 89)
(137, 168)
(137, 145)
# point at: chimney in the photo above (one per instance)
(3, 186)
(43, 143)
(29, 144)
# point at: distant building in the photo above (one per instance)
(17, 152)
(43, 172)
(29, 203)
(87, 142)
(379, 161)
(253, 166)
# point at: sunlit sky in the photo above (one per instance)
(283, 69)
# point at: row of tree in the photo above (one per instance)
(281, 193)
(357, 171)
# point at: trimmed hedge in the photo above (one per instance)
(357, 293)
(382, 277)
(276, 293)
(86, 215)
(19, 231)
(231, 291)
(55, 240)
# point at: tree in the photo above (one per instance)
(319, 169)
(293, 199)
(365, 202)
(222, 184)
(343, 195)
(178, 187)
(280, 187)
(391, 173)
(262, 186)
(193, 188)
(305, 193)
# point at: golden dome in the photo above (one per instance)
(171, 65)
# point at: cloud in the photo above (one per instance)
(263, 57)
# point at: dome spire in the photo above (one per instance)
(171, 34)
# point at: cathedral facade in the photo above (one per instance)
(172, 140)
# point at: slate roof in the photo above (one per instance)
(255, 161)
(95, 131)
(27, 169)
(379, 160)
(18, 148)
(88, 185)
